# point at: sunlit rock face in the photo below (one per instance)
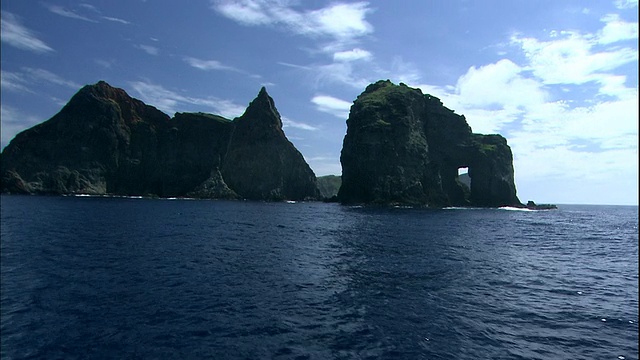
(105, 142)
(405, 147)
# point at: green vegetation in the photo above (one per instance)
(487, 148)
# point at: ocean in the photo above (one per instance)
(116, 278)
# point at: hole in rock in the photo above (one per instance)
(463, 176)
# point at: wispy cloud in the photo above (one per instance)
(30, 77)
(118, 20)
(334, 106)
(48, 76)
(570, 57)
(625, 4)
(151, 50)
(617, 30)
(339, 20)
(286, 122)
(171, 102)
(59, 10)
(16, 35)
(208, 64)
(12, 81)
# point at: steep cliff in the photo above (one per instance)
(105, 142)
(261, 163)
(404, 147)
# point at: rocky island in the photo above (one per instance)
(405, 147)
(105, 142)
(402, 147)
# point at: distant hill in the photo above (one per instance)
(329, 185)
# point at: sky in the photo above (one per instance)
(558, 79)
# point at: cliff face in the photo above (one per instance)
(261, 163)
(105, 142)
(405, 147)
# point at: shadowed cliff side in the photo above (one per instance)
(105, 142)
(404, 147)
(261, 163)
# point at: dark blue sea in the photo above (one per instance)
(116, 278)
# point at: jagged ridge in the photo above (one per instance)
(105, 142)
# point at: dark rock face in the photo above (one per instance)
(105, 142)
(404, 147)
(261, 163)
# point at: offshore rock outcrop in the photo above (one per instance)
(105, 142)
(405, 147)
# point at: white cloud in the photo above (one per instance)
(332, 105)
(617, 30)
(169, 101)
(15, 34)
(352, 55)
(500, 83)
(118, 20)
(286, 122)
(90, 7)
(48, 76)
(571, 59)
(340, 21)
(207, 64)
(554, 139)
(13, 82)
(341, 73)
(625, 4)
(29, 77)
(151, 50)
(59, 10)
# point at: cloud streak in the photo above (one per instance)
(341, 21)
(59, 10)
(151, 50)
(169, 101)
(29, 77)
(16, 35)
(208, 64)
(331, 105)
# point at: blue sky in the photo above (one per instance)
(559, 79)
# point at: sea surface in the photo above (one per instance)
(121, 278)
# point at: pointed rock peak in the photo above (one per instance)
(102, 89)
(263, 110)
